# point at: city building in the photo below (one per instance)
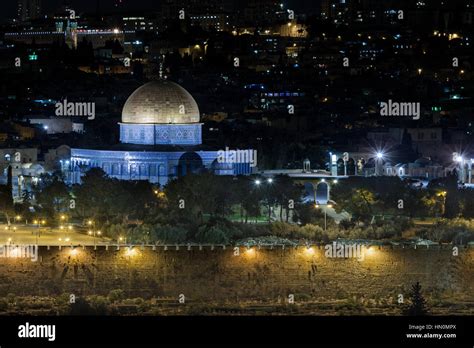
(28, 9)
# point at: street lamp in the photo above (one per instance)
(462, 163)
(325, 214)
(379, 156)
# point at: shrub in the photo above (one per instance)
(169, 234)
(99, 304)
(418, 305)
(80, 307)
(313, 232)
(218, 231)
(3, 305)
(116, 295)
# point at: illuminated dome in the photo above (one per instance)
(160, 102)
(161, 113)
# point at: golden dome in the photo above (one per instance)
(160, 102)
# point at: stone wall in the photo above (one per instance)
(261, 274)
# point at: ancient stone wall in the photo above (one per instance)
(219, 274)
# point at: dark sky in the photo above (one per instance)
(8, 7)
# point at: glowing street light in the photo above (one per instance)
(379, 155)
(328, 206)
(250, 251)
(130, 251)
(257, 182)
(370, 251)
(269, 180)
(309, 251)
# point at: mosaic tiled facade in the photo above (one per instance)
(161, 134)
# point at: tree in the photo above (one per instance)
(54, 197)
(357, 201)
(452, 199)
(193, 196)
(6, 201)
(93, 196)
(418, 306)
(286, 191)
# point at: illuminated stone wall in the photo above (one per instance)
(220, 275)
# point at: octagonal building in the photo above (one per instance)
(161, 113)
(160, 139)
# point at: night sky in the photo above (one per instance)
(8, 7)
